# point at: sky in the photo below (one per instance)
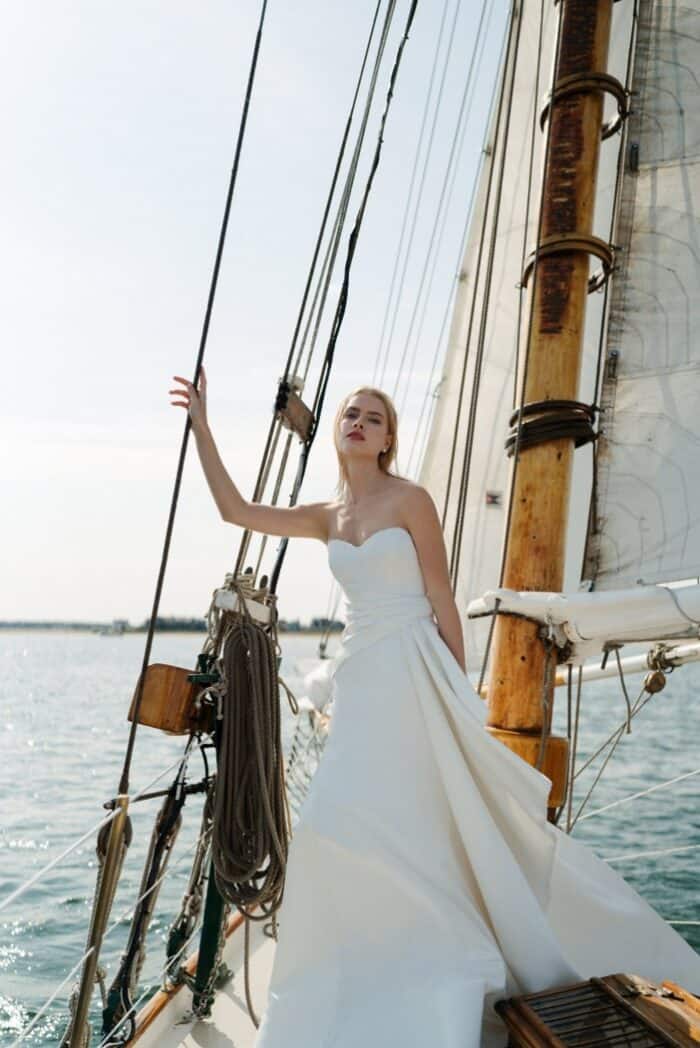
(118, 129)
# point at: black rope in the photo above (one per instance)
(331, 193)
(337, 230)
(421, 187)
(481, 340)
(540, 220)
(124, 780)
(476, 380)
(477, 270)
(407, 207)
(531, 317)
(119, 997)
(343, 297)
(605, 312)
(451, 295)
(528, 204)
(554, 419)
(354, 235)
(326, 275)
(453, 159)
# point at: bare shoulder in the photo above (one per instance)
(418, 505)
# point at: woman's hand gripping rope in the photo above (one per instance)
(194, 400)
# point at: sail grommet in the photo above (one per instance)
(585, 83)
(554, 420)
(561, 243)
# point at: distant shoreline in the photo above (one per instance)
(106, 629)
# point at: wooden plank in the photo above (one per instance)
(668, 1012)
(668, 1007)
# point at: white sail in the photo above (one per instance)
(487, 493)
(648, 507)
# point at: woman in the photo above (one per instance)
(424, 881)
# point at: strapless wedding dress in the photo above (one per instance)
(424, 881)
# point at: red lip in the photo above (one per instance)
(355, 436)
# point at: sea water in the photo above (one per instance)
(63, 703)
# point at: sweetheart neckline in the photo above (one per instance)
(393, 527)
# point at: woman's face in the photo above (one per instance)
(364, 428)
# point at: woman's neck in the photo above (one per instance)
(363, 483)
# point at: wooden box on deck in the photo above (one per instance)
(168, 701)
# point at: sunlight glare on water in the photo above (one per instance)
(63, 710)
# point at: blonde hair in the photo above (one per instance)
(385, 458)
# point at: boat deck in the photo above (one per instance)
(168, 1021)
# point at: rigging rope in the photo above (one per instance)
(642, 793)
(528, 205)
(511, 46)
(653, 854)
(414, 172)
(165, 832)
(457, 278)
(328, 268)
(476, 381)
(452, 160)
(343, 296)
(331, 193)
(124, 781)
(622, 730)
(481, 338)
(108, 1039)
(638, 707)
(320, 294)
(18, 892)
(421, 187)
(617, 198)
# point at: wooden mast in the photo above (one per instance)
(535, 545)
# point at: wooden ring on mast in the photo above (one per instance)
(585, 83)
(560, 243)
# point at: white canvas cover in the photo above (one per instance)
(590, 620)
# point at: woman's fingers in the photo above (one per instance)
(185, 381)
(191, 398)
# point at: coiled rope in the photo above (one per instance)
(252, 820)
(250, 814)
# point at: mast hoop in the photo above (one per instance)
(586, 83)
(560, 243)
(555, 419)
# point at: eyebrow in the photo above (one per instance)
(354, 407)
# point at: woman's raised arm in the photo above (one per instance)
(302, 521)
